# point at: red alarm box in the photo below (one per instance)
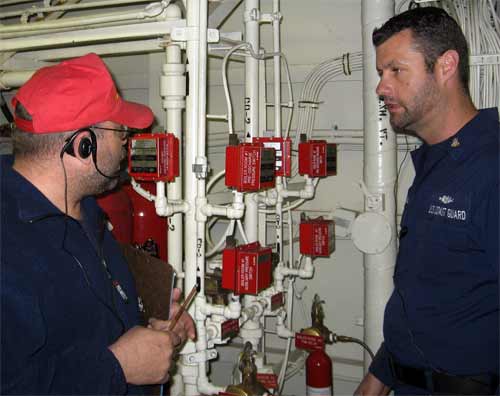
(317, 158)
(283, 148)
(246, 269)
(250, 167)
(154, 157)
(317, 237)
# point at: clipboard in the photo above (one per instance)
(154, 282)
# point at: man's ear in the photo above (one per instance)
(447, 67)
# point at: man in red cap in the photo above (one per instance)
(68, 302)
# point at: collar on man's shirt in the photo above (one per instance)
(33, 206)
(471, 136)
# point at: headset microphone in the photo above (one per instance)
(86, 147)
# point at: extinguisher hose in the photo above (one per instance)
(341, 338)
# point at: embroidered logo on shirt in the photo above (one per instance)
(448, 206)
(446, 199)
(455, 142)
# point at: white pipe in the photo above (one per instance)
(151, 11)
(166, 208)
(14, 79)
(306, 193)
(173, 90)
(230, 311)
(150, 29)
(380, 168)
(277, 68)
(233, 211)
(281, 272)
(142, 192)
(11, 2)
(190, 370)
(33, 10)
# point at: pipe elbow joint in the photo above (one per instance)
(308, 271)
(205, 387)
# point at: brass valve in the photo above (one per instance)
(318, 329)
(250, 386)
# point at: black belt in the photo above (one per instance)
(442, 383)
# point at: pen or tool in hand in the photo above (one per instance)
(183, 307)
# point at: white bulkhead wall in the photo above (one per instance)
(312, 31)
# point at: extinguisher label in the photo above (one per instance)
(312, 391)
(308, 342)
(270, 381)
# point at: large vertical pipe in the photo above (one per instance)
(173, 91)
(251, 127)
(379, 175)
(277, 122)
(190, 185)
(252, 329)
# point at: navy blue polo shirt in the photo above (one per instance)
(59, 309)
(444, 311)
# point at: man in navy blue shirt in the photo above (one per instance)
(441, 326)
(70, 318)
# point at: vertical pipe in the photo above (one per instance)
(174, 73)
(190, 185)
(252, 329)
(252, 36)
(173, 91)
(379, 175)
(277, 69)
(277, 123)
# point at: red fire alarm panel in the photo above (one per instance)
(317, 158)
(154, 157)
(250, 167)
(246, 269)
(283, 148)
(317, 237)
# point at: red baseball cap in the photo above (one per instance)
(75, 94)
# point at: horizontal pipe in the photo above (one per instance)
(96, 4)
(152, 29)
(13, 79)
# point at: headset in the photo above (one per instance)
(86, 148)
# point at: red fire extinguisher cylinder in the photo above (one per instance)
(319, 379)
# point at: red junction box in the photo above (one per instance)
(283, 148)
(250, 167)
(154, 157)
(317, 158)
(317, 237)
(246, 269)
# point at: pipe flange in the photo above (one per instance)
(371, 232)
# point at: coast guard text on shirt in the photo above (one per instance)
(443, 211)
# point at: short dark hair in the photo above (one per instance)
(434, 33)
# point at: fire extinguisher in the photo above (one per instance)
(319, 379)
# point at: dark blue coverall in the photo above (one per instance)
(59, 308)
(444, 312)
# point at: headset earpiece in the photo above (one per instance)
(86, 147)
